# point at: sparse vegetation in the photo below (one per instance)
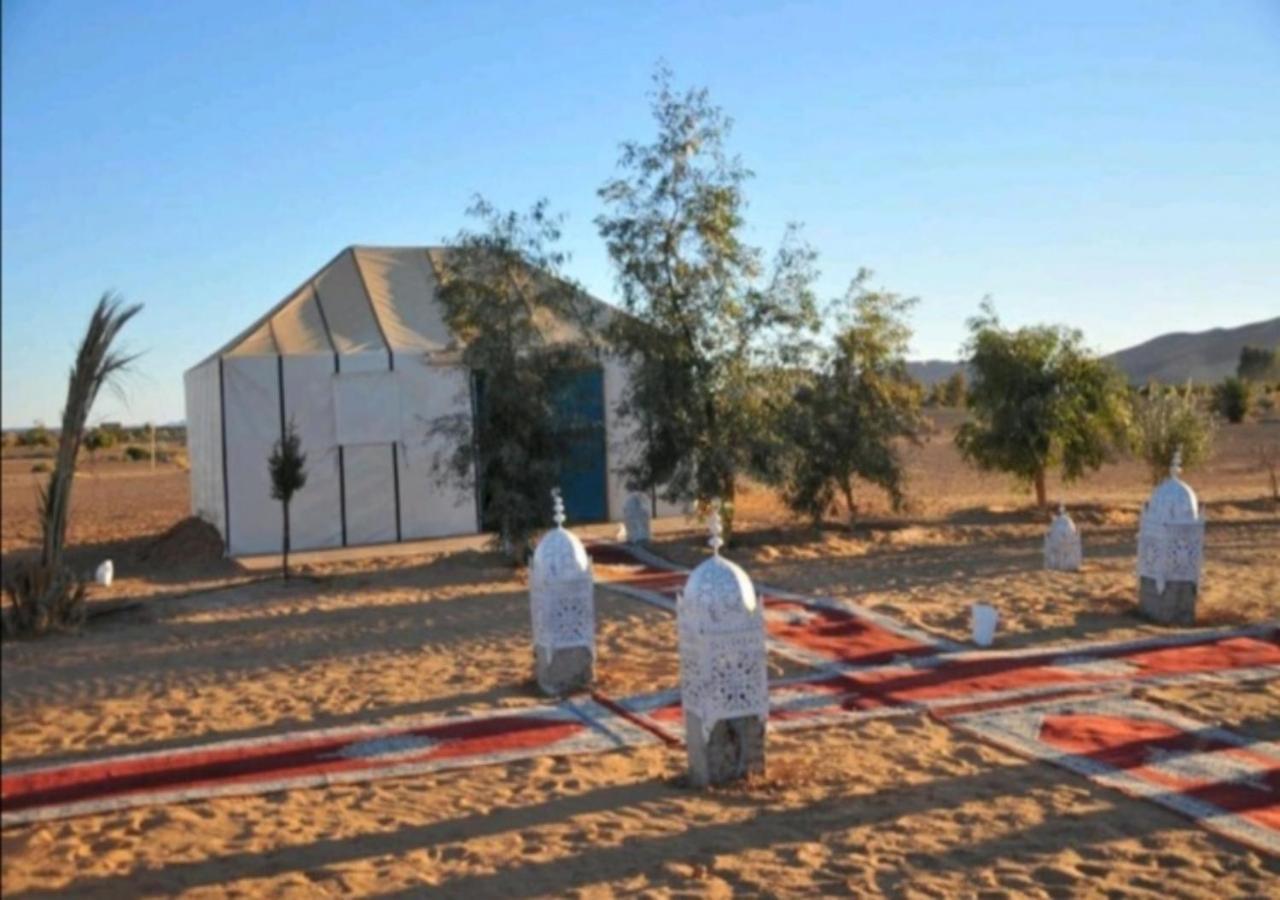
(706, 324)
(845, 422)
(99, 438)
(1232, 398)
(1268, 457)
(498, 289)
(1039, 400)
(1258, 364)
(45, 593)
(36, 436)
(1165, 419)
(952, 391)
(288, 467)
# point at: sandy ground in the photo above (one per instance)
(903, 807)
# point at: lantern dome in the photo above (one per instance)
(1173, 500)
(720, 593)
(561, 555)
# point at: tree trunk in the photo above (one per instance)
(847, 487)
(1041, 499)
(285, 559)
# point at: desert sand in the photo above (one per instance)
(188, 648)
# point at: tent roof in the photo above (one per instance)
(367, 299)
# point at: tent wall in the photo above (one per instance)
(428, 393)
(251, 392)
(369, 470)
(204, 443)
(315, 515)
(624, 443)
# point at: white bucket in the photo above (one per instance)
(106, 571)
(984, 624)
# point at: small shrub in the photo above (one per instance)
(1232, 399)
(40, 467)
(136, 454)
(99, 439)
(1164, 420)
(37, 436)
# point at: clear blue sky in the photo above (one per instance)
(1113, 166)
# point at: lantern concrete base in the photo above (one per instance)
(734, 750)
(1176, 605)
(564, 670)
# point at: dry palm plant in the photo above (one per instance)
(45, 594)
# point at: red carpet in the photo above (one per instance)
(1042, 703)
(1220, 780)
(312, 758)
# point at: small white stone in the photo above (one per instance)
(635, 518)
(1062, 548)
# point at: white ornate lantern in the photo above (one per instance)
(724, 686)
(562, 603)
(1062, 550)
(1170, 550)
(635, 517)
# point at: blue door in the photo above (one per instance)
(579, 407)
(578, 404)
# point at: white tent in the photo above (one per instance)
(360, 359)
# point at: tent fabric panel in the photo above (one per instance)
(620, 432)
(204, 442)
(315, 514)
(371, 498)
(299, 328)
(347, 310)
(402, 287)
(624, 442)
(254, 520)
(260, 342)
(366, 408)
(373, 361)
(428, 393)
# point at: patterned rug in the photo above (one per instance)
(1218, 779)
(1063, 705)
(311, 758)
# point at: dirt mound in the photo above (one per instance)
(192, 540)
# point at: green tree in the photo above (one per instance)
(1166, 419)
(36, 436)
(1258, 364)
(288, 467)
(847, 421)
(522, 326)
(99, 439)
(46, 593)
(1232, 398)
(1038, 400)
(708, 321)
(953, 390)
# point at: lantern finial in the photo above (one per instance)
(717, 529)
(1175, 466)
(558, 502)
(1062, 508)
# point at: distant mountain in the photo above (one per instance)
(1203, 356)
(932, 371)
